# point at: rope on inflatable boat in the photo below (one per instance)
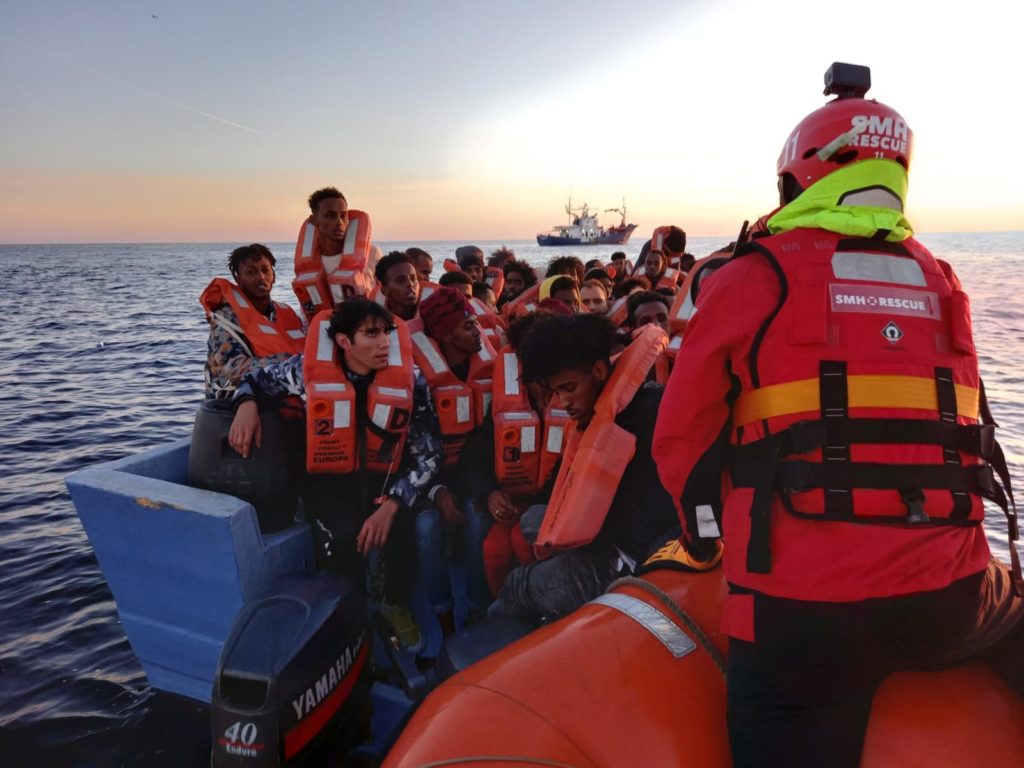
(683, 616)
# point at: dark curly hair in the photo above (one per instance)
(253, 251)
(395, 257)
(557, 344)
(326, 193)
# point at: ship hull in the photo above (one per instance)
(614, 236)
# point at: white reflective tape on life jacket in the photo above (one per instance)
(266, 328)
(554, 441)
(314, 295)
(394, 350)
(296, 333)
(462, 403)
(350, 237)
(486, 354)
(488, 397)
(511, 374)
(342, 414)
(707, 526)
(518, 416)
(381, 415)
(337, 293)
(531, 307)
(307, 240)
(325, 344)
(437, 363)
(394, 392)
(328, 386)
(240, 298)
(671, 273)
(881, 268)
(658, 241)
(676, 342)
(528, 439)
(426, 292)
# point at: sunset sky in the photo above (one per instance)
(449, 120)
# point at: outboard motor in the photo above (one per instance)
(268, 479)
(294, 674)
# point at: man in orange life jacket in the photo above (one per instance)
(646, 307)
(424, 263)
(449, 321)
(399, 283)
(471, 261)
(365, 509)
(835, 356)
(518, 277)
(571, 356)
(459, 280)
(247, 328)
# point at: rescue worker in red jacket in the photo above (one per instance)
(833, 361)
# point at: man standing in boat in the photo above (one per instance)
(374, 453)
(835, 356)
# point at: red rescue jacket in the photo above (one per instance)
(842, 372)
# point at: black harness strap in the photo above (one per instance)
(833, 393)
(946, 392)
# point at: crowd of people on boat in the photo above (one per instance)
(805, 401)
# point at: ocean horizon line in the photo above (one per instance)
(467, 240)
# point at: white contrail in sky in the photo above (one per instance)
(172, 102)
(204, 114)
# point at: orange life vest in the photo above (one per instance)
(618, 312)
(521, 464)
(861, 400)
(254, 332)
(686, 298)
(658, 237)
(670, 279)
(523, 304)
(318, 290)
(495, 278)
(595, 459)
(332, 424)
(461, 405)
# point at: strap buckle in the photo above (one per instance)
(914, 500)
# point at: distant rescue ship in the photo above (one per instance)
(584, 229)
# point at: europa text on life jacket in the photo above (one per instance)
(341, 437)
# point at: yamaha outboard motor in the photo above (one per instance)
(268, 479)
(294, 674)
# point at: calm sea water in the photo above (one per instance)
(101, 355)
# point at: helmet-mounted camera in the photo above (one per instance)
(847, 81)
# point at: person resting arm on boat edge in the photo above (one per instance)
(247, 328)
(585, 543)
(357, 510)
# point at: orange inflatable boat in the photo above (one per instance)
(635, 678)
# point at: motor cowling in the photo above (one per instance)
(293, 674)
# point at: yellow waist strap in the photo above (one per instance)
(864, 392)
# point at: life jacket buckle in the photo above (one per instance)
(914, 499)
